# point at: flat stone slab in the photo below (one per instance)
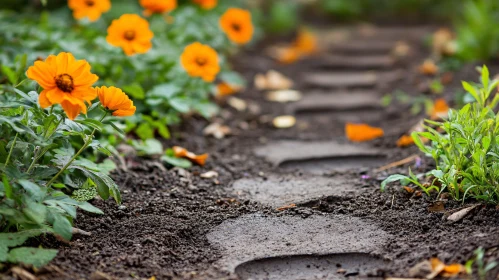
(255, 236)
(340, 101)
(355, 62)
(360, 47)
(278, 191)
(334, 266)
(321, 156)
(328, 79)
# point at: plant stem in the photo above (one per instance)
(85, 145)
(11, 149)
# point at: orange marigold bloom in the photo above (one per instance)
(114, 99)
(200, 61)
(158, 6)
(206, 4)
(236, 23)
(131, 33)
(65, 81)
(362, 132)
(91, 9)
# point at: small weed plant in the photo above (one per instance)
(465, 148)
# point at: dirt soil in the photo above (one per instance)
(160, 229)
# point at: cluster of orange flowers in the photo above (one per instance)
(69, 82)
(131, 32)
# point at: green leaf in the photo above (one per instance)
(95, 124)
(180, 104)
(90, 208)
(180, 162)
(11, 74)
(472, 90)
(135, 90)
(148, 147)
(63, 227)
(37, 257)
(393, 178)
(32, 189)
(119, 130)
(485, 77)
(162, 129)
(7, 187)
(165, 91)
(145, 131)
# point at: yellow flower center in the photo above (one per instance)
(65, 82)
(129, 35)
(201, 61)
(89, 3)
(236, 26)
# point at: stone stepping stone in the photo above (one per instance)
(277, 191)
(354, 62)
(333, 266)
(339, 101)
(327, 79)
(361, 47)
(255, 236)
(322, 156)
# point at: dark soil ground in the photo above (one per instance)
(160, 228)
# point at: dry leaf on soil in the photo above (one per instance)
(362, 132)
(459, 215)
(428, 68)
(284, 121)
(286, 207)
(272, 80)
(401, 49)
(237, 103)
(184, 153)
(283, 96)
(209, 175)
(217, 130)
(224, 89)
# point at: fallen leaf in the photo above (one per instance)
(428, 68)
(286, 207)
(446, 78)
(224, 89)
(184, 153)
(283, 96)
(22, 274)
(401, 49)
(404, 141)
(237, 103)
(409, 189)
(273, 80)
(437, 206)
(284, 121)
(437, 267)
(209, 175)
(440, 109)
(217, 130)
(459, 215)
(362, 132)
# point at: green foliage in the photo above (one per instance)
(282, 17)
(476, 39)
(482, 267)
(465, 147)
(32, 256)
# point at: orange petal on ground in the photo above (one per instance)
(453, 269)
(404, 141)
(428, 68)
(306, 42)
(288, 55)
(224, 89)
(362, 132)
(184, 153)
(440, 109)
(409, 189)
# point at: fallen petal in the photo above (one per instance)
(284, 121)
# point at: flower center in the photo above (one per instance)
(129, 35)
(236, 27)
(89, 3)
(65, 82)
(201, 61)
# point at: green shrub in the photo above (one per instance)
(465, 148)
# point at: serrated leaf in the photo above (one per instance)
(32, 189)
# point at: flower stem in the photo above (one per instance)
(85, 145)
(11, 149)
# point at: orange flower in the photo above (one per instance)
(206, 4)
(158, 6)
(362, 132)
(65, 81)
(91, 9)
(428, 68)
(440, 109)
(224, 89)
(114, 99)
(131, 33)
(183, 153)
(404, 141)
(236, 23)
(200, 61)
